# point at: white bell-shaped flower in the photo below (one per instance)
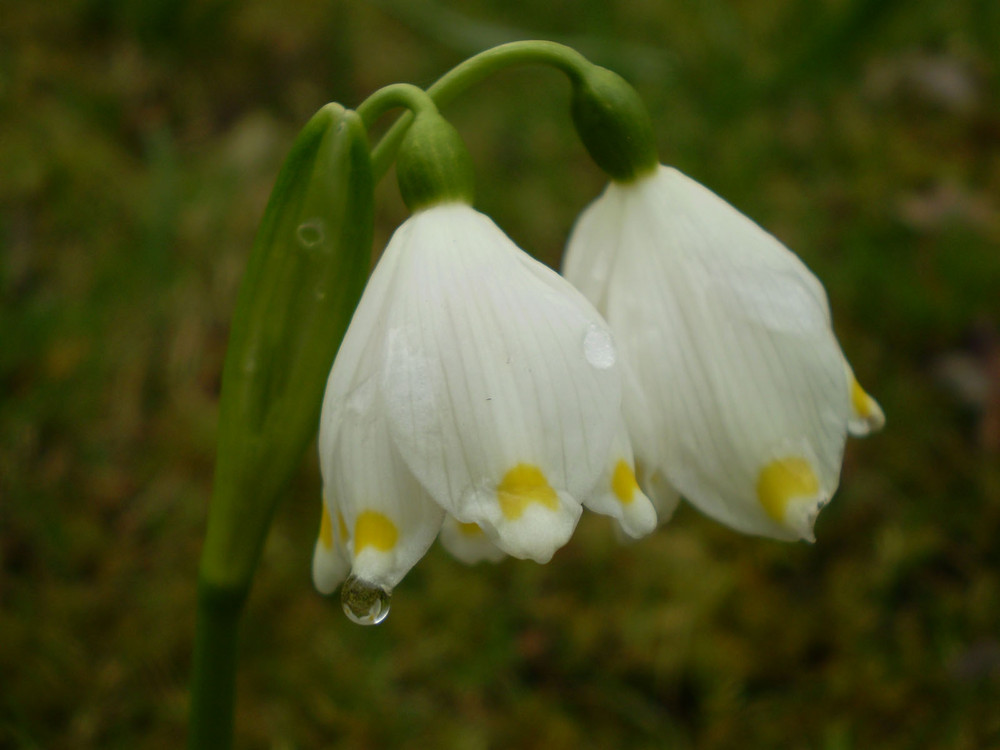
(475, 388)
(736, 392)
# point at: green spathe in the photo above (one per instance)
(305, 275)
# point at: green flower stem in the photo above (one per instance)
(433, 165)
(471, 72)
(213, 684)
(405, 95)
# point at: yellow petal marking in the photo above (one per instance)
(861, 402)
(325, 529)
(374, 529)
(469, 529)
(342, 527)
(623, 482)
(782, 481)
(521, 486)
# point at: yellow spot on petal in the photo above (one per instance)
(374, 529)
(341, 527)
(521, 486)
(782, 481)
(325, 529)
(469, 529)
(623, 482)
(861, 402)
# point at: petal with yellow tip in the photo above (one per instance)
(524, 515)
(866, 415)
(617, 492)
(468, 543)
(329, 564)
(789, 492)
(383, 519)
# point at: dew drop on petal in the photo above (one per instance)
(364, 603)
(598, 347)
(310, 233)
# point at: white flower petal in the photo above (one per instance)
(361, 353)
(500, 379)
(524, 516)
(596, 235)
(617, 493)
(866, 415)
(390, 519)
(660, 492)
(468, 542)
(330, 563)
(731, 366)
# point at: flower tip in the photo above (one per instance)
(866, 414)
(525, 516)
(468, 543)
(536, 532)
(639, 517)
(329, 565)
(328, 568)
(800, 518)
(790, 494)
(627, 503)
(539, 532)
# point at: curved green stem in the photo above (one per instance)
(396, 95)
(471, 72)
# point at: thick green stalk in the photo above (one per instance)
(213, 683)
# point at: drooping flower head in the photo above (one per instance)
(475, 388)
(736, 392)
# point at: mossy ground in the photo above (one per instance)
(138, 144)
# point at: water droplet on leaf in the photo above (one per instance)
(364, 603)
(310, 233)
(598, 347)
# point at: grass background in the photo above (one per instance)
(138, 144)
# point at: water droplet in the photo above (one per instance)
(598, 347)
(364, 603)
(310, 233)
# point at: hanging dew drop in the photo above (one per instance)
(310, 233)
(598, 348)
(364, 603)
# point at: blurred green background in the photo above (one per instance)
(138, 144)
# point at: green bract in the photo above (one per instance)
(305, 275)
